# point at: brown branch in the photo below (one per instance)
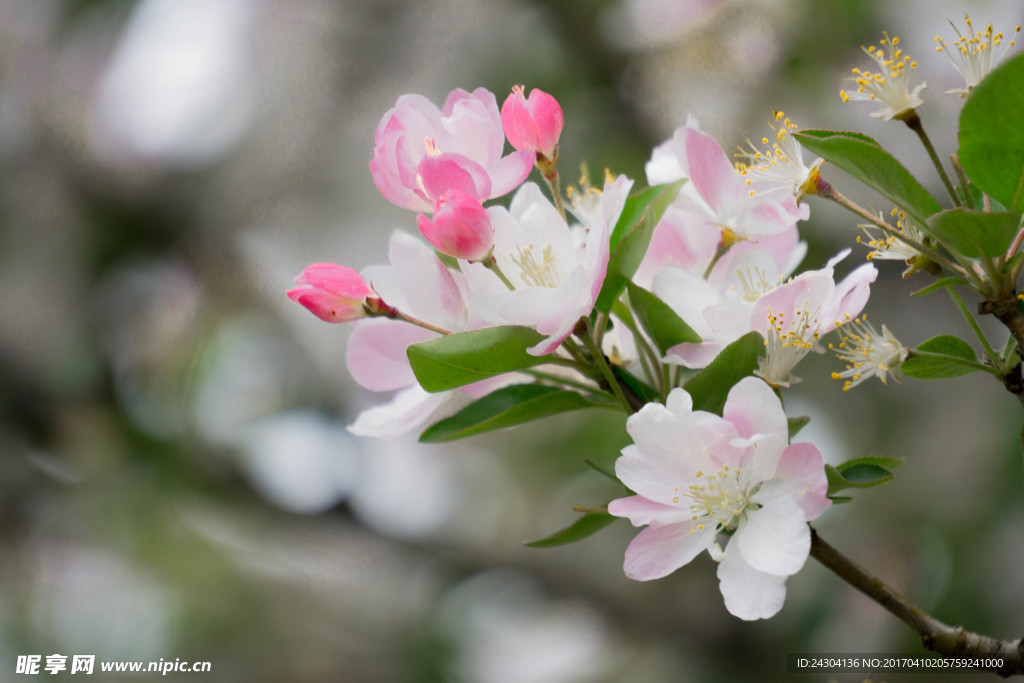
(948, 641)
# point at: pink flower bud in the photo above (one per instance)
(461, 227)
(533, 123)
(335, 294)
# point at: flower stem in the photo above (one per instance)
(964, 183)
(948, 641)
(550, 175)
(382, 309)
(602, 365)
(490, 264)
(955, 296)
(826, 191)
(914, 123)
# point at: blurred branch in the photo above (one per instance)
(948, 641)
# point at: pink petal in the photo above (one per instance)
(712, 174)
(641, 511)
(442, 173)
(800, 474)
(657, 551)
(376, 353)
(510, 172)
(754, 408)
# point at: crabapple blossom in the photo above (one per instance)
(868, 354)
(420, 152)
(696, 475)
(975, 54)
(716, 191)
(333, 293)
(890, 87)
(781, 161)
(790, 315)
(461, 227)
(533, 123)
(556, 271)
(793, 316)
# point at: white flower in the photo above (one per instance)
(890, 87)
(556, 272)
(697, 474)
(975, 54)
(888, 247)
(781, 161)
(868, 354)
(793, 316)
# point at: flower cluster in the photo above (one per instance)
(721, 256)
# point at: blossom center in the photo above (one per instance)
(753, 282)
(534, 272)
(787, 342)
(717, 497)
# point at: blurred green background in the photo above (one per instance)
(176, 480)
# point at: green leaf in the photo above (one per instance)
(940, 358)
(507, 407)
(940, 285)
(992, 137)
(659, 320)
(864, 159)
(860, 473)
(631, 237)
(459, 359)
(585, 526)
(975, 233)
(796, 424)
(711, 385)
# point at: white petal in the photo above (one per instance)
(749, 594)
(409, 410)
(775, 538)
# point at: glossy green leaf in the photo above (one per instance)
(864, 159)
(710, 387)
(587, 525)
(459, 359)
(975, 233)
(860, 473)
(940, 358)
(796, 424)
(507, 407)
(658, 319)
(631, 237)
(992, 136)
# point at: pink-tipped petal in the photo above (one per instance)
(657, 551)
